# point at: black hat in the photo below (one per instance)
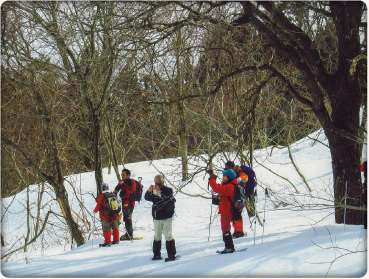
(229, 165)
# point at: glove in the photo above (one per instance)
(209, 172)
(212, 176)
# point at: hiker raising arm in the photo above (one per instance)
(226, 190)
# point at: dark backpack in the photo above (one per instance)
(215, 198)
(137, 195)
(239, 201)
(251, 182)
(111, 204)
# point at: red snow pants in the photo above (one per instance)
(238, 225)
(225, 223)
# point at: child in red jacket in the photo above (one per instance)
(226, 190)
(109, 221)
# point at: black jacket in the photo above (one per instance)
(163, 207)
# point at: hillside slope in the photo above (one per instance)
(299, 237)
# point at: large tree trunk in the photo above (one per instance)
(345, 97)
(345, 162)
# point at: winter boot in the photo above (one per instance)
(238, 234)
(126, 236)
(229, 247)
(115, 237)
(156, 248)
(107, 236)
(171, 250)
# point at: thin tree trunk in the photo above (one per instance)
(183, 142)
(76, 232)
(28, 222)
(112, 154)
(96, 153)
(180, 106)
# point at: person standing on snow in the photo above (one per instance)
(127, 186)
(109, 220)
(162, 212)
(241, 176)
(226, 191)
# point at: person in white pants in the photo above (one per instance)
(162, 212)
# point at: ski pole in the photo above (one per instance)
(266, 195)
(211, 208)
(255, 231)
(211, 213)
(93, 230)
(344, 217)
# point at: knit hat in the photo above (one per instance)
(230, 173)
(104, 187)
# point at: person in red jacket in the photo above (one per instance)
(127, 186)
(109, 222)
(241, 176)
(226, 191)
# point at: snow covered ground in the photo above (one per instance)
(300, 237)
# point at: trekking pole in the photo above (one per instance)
(93, 230)
(130, 238)
(266, 195)
(211, 211)
(255, 231)
(344, 217)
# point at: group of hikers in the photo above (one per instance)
(237, 186)
(163, 207)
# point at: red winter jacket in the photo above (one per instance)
(226, 191)
(104, 216)
(126, 188)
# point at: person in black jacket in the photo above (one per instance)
(162, 212)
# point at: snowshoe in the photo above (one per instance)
(137, 238)
(104, 245)
(157, 258)
(126, 237)
(172, 258)
(240, 250)
(226, 251)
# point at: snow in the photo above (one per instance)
(300, 237)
